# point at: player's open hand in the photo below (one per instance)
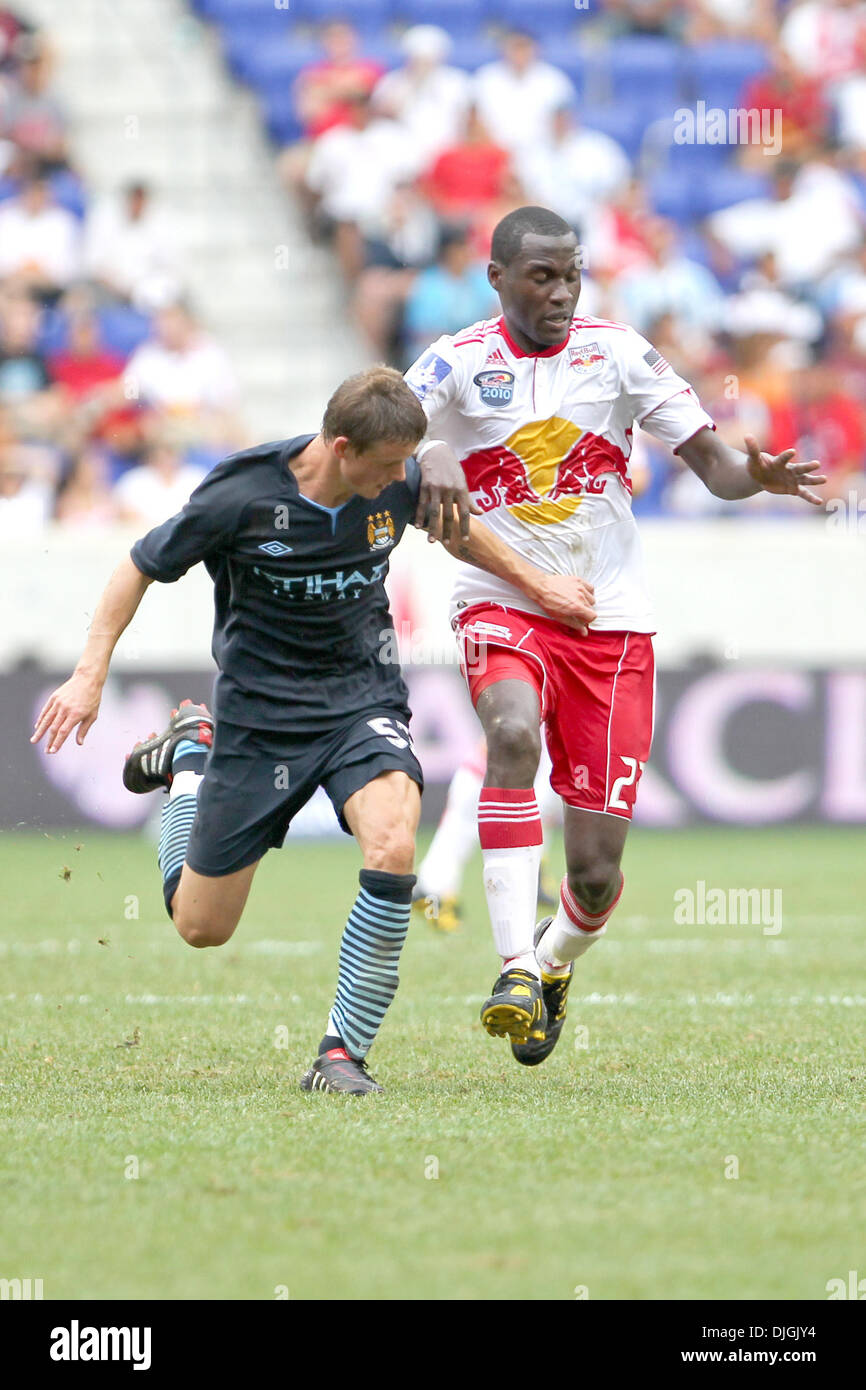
(779, 474)
(443, 492)
(73, 704)
(568, 599)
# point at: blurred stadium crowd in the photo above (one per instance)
(113, 401)
(406, 129)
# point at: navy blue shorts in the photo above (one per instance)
(255, 781)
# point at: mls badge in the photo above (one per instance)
(495, 387)
(586, 358)
(380, 530)
(425, 375)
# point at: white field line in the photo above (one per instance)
(686, 1000)
(54, 946)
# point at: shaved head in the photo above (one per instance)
(509, 233)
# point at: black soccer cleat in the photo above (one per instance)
(555, 992)
(339, 1073)
(515, 1009)
(149, 764)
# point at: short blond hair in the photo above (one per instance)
(373, 406)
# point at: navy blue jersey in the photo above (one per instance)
(301, 613)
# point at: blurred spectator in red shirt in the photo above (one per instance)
(83, 363)
(805, 114)
(822, 421)
(469, 175)
(322, 89)
(86, 375)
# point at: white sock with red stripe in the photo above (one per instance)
(509, 828)
(572, 931)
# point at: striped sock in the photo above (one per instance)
(372, 941)
(178, 814)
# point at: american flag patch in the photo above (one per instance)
(655, 360)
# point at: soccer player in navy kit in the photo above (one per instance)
(296, 537)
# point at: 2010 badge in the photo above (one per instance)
(495, 387)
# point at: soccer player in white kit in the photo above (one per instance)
(537, 408)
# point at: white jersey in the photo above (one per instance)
(544, 439)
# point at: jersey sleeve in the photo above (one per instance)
(435, 378)
(663, 403)
(201, 528)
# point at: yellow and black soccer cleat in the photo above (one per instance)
(515, 1009)
(443, 913)
(554, 988)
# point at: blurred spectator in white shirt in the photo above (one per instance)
(181, 367)
(822, 36)
(352, 174)
(518, 95)
(26, 489)
(809, 220)
(428, 98)
(183, 370)
(39, 241)
(157, 488)
(132, 248)
(575, 170)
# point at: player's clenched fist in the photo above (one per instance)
(76, 702)
(568, 599)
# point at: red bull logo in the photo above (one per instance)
(542, 472)
(586, 358)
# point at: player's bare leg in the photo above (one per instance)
(383, 816)
(593, 850)
(207, 910)
(509, 829)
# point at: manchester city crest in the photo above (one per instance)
(380, 530)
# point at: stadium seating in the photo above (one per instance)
(629, 88)
(717, 72)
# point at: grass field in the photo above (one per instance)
(707, 1048)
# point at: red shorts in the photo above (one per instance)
(596, 695)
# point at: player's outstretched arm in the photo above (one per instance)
(731, 475)
(76, 702)
(443, 490)
(565, 597)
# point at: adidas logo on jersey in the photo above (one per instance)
(495, 359)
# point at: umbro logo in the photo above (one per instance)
(275, 548)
